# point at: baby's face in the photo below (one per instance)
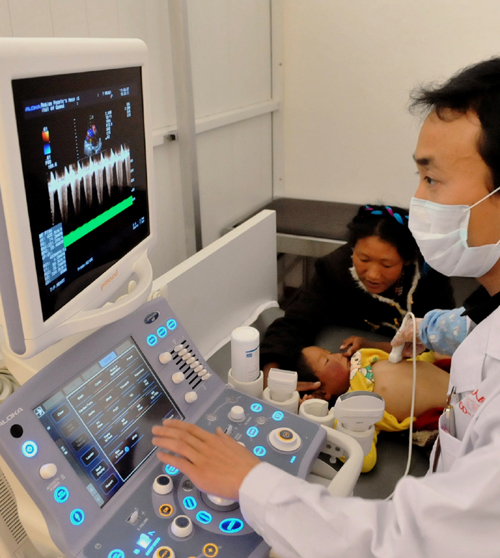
(331, 369)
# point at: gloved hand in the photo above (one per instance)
(405, 335)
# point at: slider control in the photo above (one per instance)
(177, 377)
(165, 357)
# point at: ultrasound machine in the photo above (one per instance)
(76, 221)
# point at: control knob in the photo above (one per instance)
(48, 471)
(163, 484)
(237, 413)
(182, 526)
(284, 439)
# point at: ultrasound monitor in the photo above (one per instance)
(76, 185)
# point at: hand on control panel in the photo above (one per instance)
(215, 463)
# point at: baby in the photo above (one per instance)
(369, 370)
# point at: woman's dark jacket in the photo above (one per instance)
(336, 297)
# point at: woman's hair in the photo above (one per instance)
(389, 223)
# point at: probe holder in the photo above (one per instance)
(254, 389)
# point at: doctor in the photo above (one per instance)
(455, 218)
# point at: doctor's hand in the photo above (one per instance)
(215, 463)
(405, 335)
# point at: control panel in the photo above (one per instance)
(78, 437)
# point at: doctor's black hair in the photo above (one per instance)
(474, 88)
(389, 223)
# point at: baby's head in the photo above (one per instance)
(331, 369)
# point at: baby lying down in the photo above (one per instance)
(369, 370)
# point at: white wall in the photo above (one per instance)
(349, 68)
(231, 63)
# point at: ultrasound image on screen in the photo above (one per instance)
(102, 420)
(81, 138)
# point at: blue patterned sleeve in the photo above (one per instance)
(443, 330)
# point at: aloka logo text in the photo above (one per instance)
(11, 416)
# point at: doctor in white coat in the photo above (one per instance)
(455, 509)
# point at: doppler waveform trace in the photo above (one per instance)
(87, 184)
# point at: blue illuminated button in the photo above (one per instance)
(172, 471)
(77, 516)
(231, 525)
(29, 449)
(116, 553)
(252, 431)
(204, 517)
(152, 340)
(256, 407)
(61, 494)
(171, 324)
(190, 503)
(144, 541)
(278, 415)
(162, 332)
(259, 451)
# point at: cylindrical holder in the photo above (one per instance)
(291, 405)
(317, 411)
(250, 388)
(365, 438)
(245, 354)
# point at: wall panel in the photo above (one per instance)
(69, 19)
(102, 18)
(349, 67)
(31, 19)
(235, 165)
(230, 54)
(5, 24)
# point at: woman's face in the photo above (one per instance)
(377, 263)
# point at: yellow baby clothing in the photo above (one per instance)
(361, 379)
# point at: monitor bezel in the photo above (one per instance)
(27, 58)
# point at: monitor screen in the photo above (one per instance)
(83, 154)
(102, 419)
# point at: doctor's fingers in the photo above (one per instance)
(178, 428)
(184, 441)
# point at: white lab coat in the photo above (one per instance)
(453, 512)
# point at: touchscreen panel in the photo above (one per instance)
(102, 419)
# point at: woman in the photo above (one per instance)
(368, 284)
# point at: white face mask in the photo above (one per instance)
(441, 234)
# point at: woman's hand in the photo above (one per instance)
(353, 344)
(318, 394)
(215, 463)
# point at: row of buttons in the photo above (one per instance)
(162, 332)
(209, 550)
(230, 525)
